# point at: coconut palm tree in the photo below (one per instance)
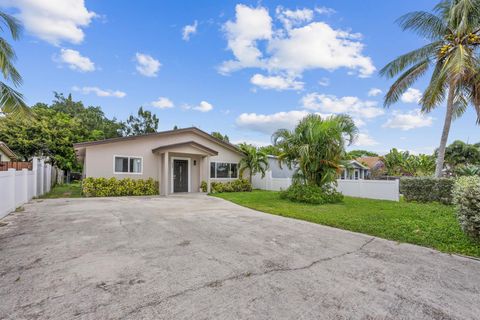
(316, 147)
(11, 101)
(453, 33)
(255, 161)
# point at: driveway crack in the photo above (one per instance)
(220, 282)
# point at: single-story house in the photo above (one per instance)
(178, 159)
(6, 154)
(355, 171)
(373, 163)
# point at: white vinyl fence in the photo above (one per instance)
(19, 187)
(372, 189)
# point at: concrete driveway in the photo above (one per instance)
(198, 257)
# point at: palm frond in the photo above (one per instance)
(11, 101)
(427, 52)
(12, 23)
(405, 81)
(424, 24)
(7, 56)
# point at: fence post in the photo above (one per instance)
(34, 170)
(42, 176)
(25, 185)
(11, 205)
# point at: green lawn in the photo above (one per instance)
(66, 190)
(431, 225)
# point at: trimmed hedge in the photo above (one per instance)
(112, 187)
(238, 185)
(311, 194)
(427, 189)
(466, 195)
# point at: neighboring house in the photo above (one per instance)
(6, 155)
(178, 159)
(355, 171)
(375, 164)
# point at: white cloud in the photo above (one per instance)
(204, 106)
(364, 140)
(374, 92)
(276, 82)
(54, 21)
(292, 50)
(147, 65)
(291, 18)
(250, 25)
(268, 123)
(100, 92)
(353, 106)
(409, 120)
(411, 96)
(324, 10)
(324, 82)
(162, 103)
(76, 61)
(189, 30)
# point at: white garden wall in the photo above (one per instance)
(19, 187)
(372, 189)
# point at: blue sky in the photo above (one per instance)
(241, 68)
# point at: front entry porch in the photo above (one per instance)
(182, 167)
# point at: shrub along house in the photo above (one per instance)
(178, 159)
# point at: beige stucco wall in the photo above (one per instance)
(4, 157)
(99, 159)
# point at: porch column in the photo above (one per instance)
(165, 177)
(207, 171)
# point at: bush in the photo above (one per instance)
(203, 186)
(112, 187)
(466, 196)
(311, 194)
(239, 185)
(427, 189)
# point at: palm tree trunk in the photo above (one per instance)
(445, 132)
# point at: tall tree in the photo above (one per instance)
(453, 31)
(11, 101)
(316, 147)
(52, 130)
(354, 154)
(255, 161)
(220, 136)
(144, 122)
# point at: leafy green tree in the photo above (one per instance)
(52, 130)
(394, 162)
(459, 153)
(11, 101)
(271, 150)
(316, 147)
(145, 122)
(255, 161)
(453, 31)
(220, 136)
(354, 154)
(49, 134)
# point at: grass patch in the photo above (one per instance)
(431, 225)
(66, 190)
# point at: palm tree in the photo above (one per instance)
(453, 31)
(11, 101)
(255, 161)
(316, 147)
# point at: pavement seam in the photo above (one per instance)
(220, 282)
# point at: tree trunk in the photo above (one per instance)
(445, 132)
(250, 178)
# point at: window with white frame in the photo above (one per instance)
(226, 170)
(128, 164)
